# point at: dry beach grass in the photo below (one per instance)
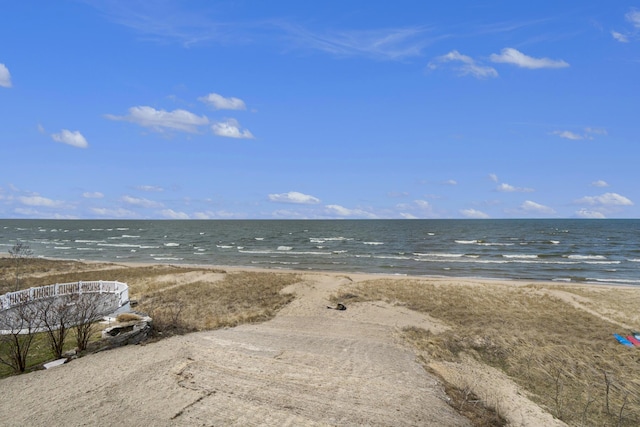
(537, 353)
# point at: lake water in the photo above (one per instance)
(606, 251)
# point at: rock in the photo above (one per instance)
(69, 354)
(55, 363)
(133, 332)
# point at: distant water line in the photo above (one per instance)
(597, 251)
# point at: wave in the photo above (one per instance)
(476, 260)
(171, 245)
(436, 255)
(482, 243)
(390, 257)
(284, 248)
(373, 243)
(584, 257)
(276, 262)
(329, 239)
(119, 245)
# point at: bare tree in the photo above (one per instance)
(57, 318)
(87, 310)
(19, 252)
(20, 324)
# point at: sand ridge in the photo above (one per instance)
(310, 365)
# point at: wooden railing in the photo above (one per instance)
(13, 299)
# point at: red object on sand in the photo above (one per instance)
(634, 340)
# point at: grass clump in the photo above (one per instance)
(237, 298)
(560, 351)
(127, 317)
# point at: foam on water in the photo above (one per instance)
(604, 250)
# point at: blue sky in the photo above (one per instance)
(333, 109)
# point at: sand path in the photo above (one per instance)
(308, 366)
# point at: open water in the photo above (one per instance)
(606, 251)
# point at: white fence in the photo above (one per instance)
(13, 299)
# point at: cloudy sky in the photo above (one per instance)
(333, 109)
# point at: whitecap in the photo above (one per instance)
(582, 257)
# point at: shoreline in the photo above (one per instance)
(360, 275)
(396, 335)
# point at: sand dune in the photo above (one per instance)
(307, 366)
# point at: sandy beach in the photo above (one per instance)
(308, 365)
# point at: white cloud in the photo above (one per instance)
(600, 183)
(507, 188)
(294, 197)
(5, 76)
(230, 128)
(512, 56)
(171, 214)
(143, 203)
(39, 201)
(113, 213)
(408, 215)
(346, 212)
(473, 213)
(219, 102)
(606, 199)
(567, 135)
(416, 209)
(622, 38)
(493, 177)
(74, 139)
(468, 65)
(422, 204)
(385, 44)
(92, 195)
(587, 134)
(34, 213)
(633, 16)
(217, 214)
(150, 188)
(533, 207)
(450, 182)
(160, 120)
(584, 213)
